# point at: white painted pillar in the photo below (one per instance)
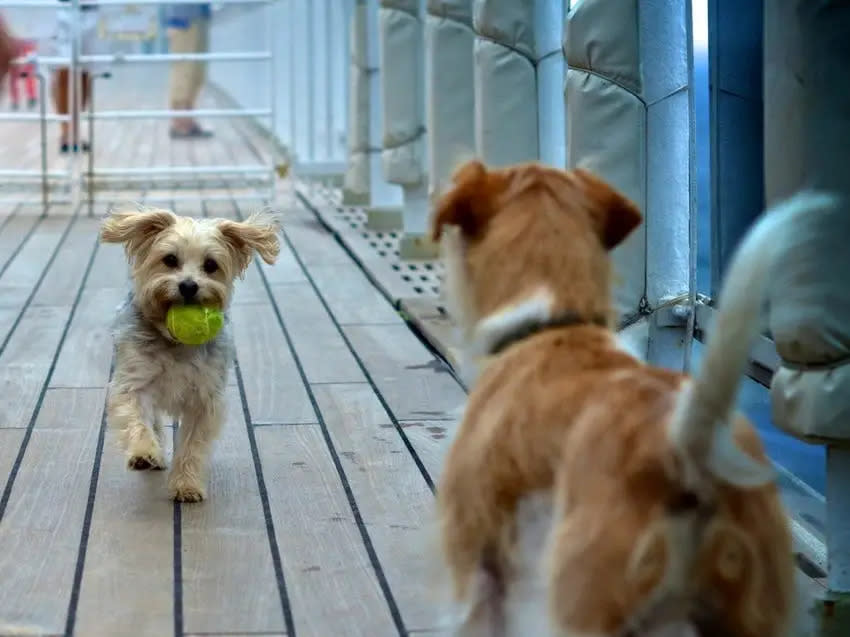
(506, 111)
(449, 92)
(309, 70)
(301, 93)
(382, 194)
(319, 67)
(357, 179)
(280, 45)
(339, 75)
(551, 75)
(402, 81)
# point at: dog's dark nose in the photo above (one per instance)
(188, 289)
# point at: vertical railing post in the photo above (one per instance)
(295, 150)
(551, 74)
(269, 11)
(343, 83)
(309, 71)
(838, 518)
(382, 194)
(403, 86)
(357, 178)
(330, 52)
(449, 92)
(506, 111)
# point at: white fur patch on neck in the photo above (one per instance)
(494, 328)
(455, 286)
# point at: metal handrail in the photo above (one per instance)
(169, 114)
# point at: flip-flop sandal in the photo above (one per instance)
(193, 133)
(65, 147)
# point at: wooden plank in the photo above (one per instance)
(62, 282)
(25, 362)
(7, 319)
(415, 384)
(221, 209)
(431, 440)
(128, 581)
(10, 441)
(250, 290)
(318, 343)
(392, 496)
(14, 233)
(110, 269)
(226, 546)
(313, 243)
(331, 584)
(434, 325)
(217, 634)
(273, 386)
(40, 534)
(87, 351)
(351, 296)
(287, 269)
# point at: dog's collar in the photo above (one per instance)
(534, 327)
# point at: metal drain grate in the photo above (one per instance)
(421, 277)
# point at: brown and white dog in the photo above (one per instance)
(664, 515)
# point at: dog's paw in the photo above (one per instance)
(144, 462)
(185, 491)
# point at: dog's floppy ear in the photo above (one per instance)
(613, 214)
(135, 228)
(258, 232)
(467, 204)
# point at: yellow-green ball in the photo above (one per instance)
(193, 324)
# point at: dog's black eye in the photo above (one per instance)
(210, 266)
(170, 260)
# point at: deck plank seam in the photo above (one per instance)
(10, 482)
(358, 359)
(177, 561)
(85, 532)
(27, 236)
(38, 283)
(395, 612)
(274, 548)
(9, 218)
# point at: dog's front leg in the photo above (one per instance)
(141, 444)
(198, 429)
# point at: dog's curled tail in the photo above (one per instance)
(700, 426)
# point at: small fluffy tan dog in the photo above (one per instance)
(664, 515)
(176, 260)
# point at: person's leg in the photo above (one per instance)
(191, 80)
(61, 100)
(199, 71)
(181, 81)
(85, 98)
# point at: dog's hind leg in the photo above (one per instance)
(484, 613)
(198, 429)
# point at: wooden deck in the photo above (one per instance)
(321, 484)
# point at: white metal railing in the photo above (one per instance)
(309, 57)
(77, 176)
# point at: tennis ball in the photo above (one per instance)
(194, 324)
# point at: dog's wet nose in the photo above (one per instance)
(188, 289)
